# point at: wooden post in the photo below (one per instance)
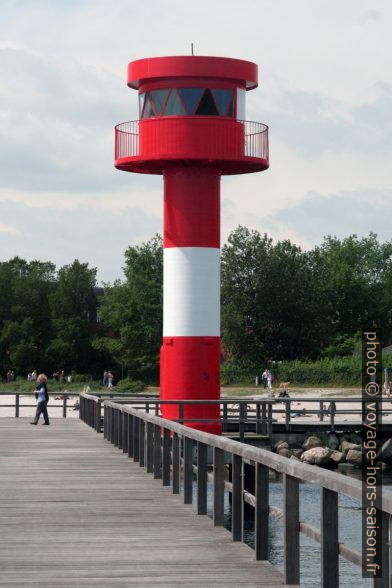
(99, 410)
(105, 424)
(219, 487)
(261, 511)
(176, 464)
(287, 409)
(166, 458)
(385, 547)
(264, 424)
(131, 428)
(16, 405)
(125, 432)
(150, 448)
(321, 411)
(64, 406)
(142, 442)
(329, 539)
(270, 417)
(291, 529)
(120, 429)
(258, 418)
(181, 413)
(242, 422)
(188, 470)
(136, 432)
(224, 421)
(157, 453)
(202, 478)
(237, 505)
(112, 425)
(332, 412)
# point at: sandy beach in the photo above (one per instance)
(348, 411)
(27, 406)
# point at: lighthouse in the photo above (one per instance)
(192, 129)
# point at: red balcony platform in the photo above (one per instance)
(152, 145)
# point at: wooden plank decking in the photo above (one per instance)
(75, 511)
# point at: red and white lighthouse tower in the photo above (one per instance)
(192, 130)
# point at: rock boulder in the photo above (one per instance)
(338, 457)
(312, 442)
(316, 456)
(354, 456)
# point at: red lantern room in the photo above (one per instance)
(192, 130)
(192, 112)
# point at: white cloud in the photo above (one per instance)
(8, 229)
(325, 91)
(370, 16)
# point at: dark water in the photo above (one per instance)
(349, 532)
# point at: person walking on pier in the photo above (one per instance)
(42, 397)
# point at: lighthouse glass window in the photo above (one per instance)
(187, 102)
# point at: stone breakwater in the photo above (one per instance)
(332, 450)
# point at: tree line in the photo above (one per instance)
(279, 303)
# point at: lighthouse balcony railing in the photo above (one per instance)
(221, 136)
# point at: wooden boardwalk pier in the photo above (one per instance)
(75, 511)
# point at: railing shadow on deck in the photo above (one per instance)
(171, 452)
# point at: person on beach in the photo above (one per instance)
(42, 397)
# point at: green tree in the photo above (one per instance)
(25, 325)
(268, 308)
(71, 304)
(131, 312)
(354, 279)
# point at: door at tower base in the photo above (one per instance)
(190, 371)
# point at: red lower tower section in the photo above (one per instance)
(190, 356)
(192, 130)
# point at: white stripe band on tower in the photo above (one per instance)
(191, 292)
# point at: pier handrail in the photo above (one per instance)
(258, 411)
(155, 443)
(232, 411)
(64, 393)
(16, 404)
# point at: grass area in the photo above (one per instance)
(76, 388)
(53, 386)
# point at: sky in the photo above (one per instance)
(325, 91)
